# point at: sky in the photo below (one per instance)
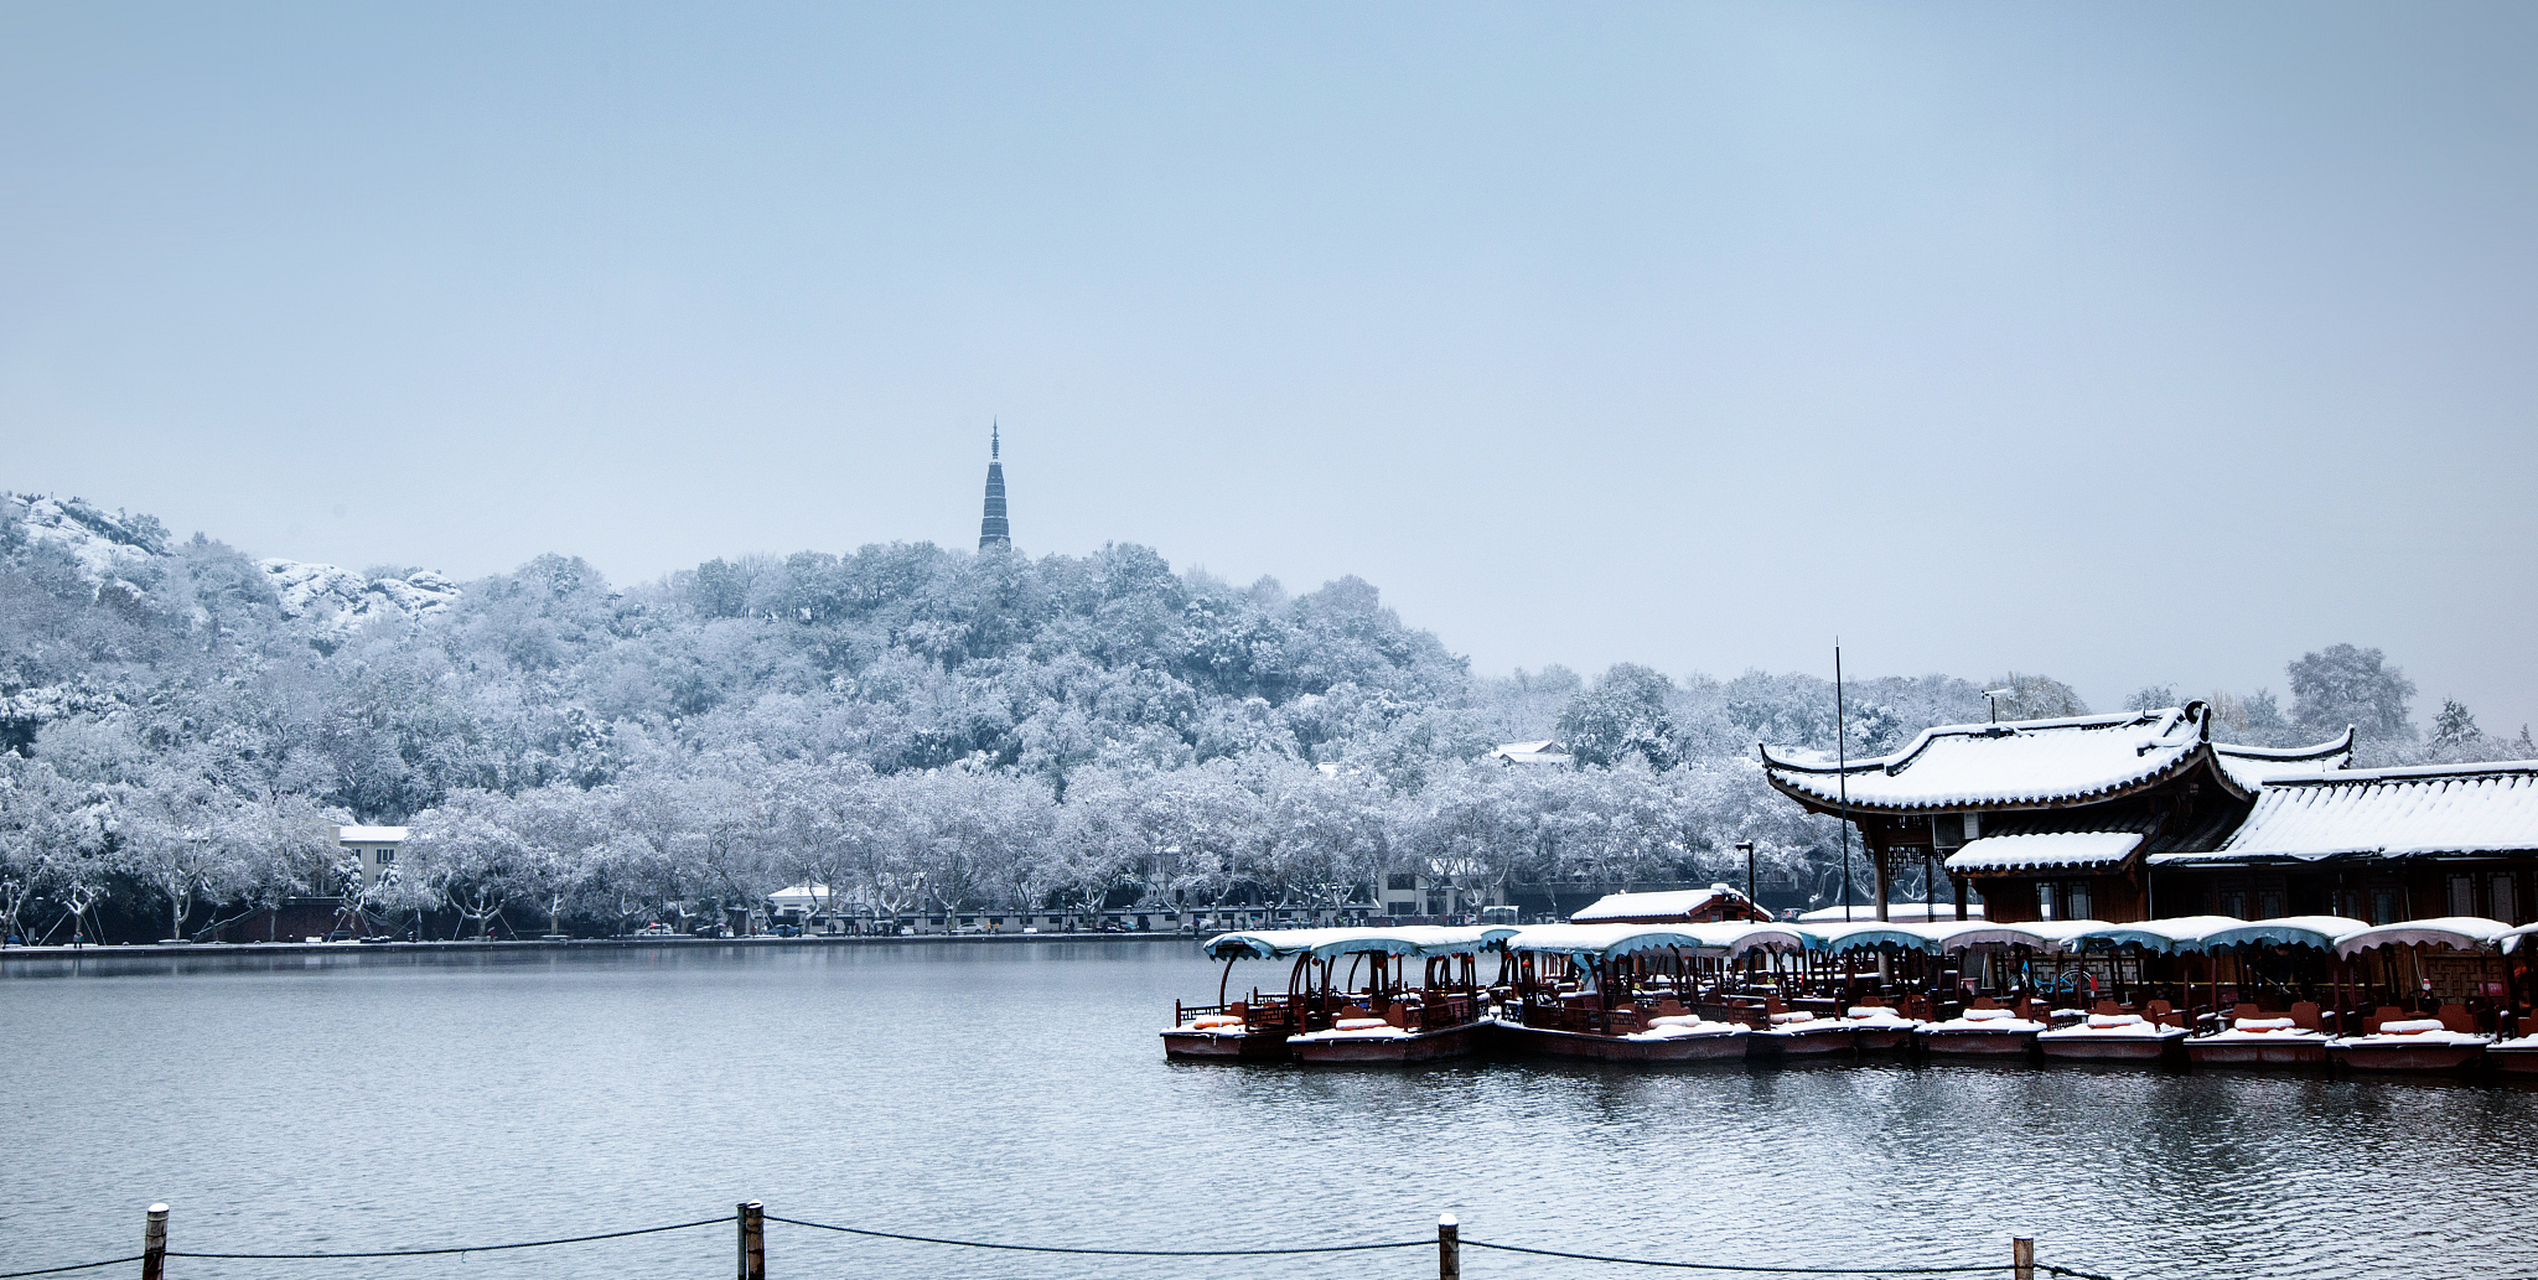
(2130, 344)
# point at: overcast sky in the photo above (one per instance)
(2126, 343)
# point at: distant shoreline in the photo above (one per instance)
(469, 945)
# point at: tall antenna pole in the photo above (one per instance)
(1842, 775)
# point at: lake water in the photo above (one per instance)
(1017, 1092)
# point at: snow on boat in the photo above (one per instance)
(1436, 1019)
(2410, 1044)
(1876, 1028)
(1391, 1019)
(2519, 1055)
(2259, 1042)
(1801, 1034)
(2110, 1037)
(1992, 1032)
(1615, 992)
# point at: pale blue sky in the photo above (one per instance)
(2126, 343)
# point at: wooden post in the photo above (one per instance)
(2022, 1258)
(753, 1241)
(154, 1243)
(1449, 1249)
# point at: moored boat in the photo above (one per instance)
(1990, 1032)
(1875, 1028)
(2409, 1044)
(1617, 992)
(2259, 1042)
(1392, 1019)
(1804, 1034)
(2517, 1056)
(2110, 1037)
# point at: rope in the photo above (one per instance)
(1110, 1253)
(419, 1253)
(1724, 1266)
(77, 1266)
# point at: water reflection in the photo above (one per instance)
(1018, 1092)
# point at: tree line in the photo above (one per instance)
(925, 729)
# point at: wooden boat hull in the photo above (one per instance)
(2106, 1048)
(1978, 1044)
(1723, 1047)
(1203, 1046)
(2400, 1057)
(1881, 1039)
(1427, 1046)
(2257, 1053)
(2515, 1061)
(1795, 1044)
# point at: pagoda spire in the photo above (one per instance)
(993, 531)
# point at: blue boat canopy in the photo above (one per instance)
(2284, 931)
(1425, 941)
(2183, 933)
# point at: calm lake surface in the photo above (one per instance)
(1018, 1093)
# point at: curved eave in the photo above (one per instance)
(2096, 867)
(2200, 753)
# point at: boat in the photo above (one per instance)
(2259, 1042)
(1256, 1029)
(1392, 1020)
(2409, 1044)
(1616, 992)
(2517, 1056)
(2110, 1037)
(1983, 1029)
(1799, 1034)
(1875, 1028)
(2448, 1039)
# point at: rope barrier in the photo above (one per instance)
(2067, 1273)
(1109, 1253)
(421, 1253)
(76, 1266)
(1751, 1270)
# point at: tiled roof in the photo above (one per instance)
(2038, 763)
(2490, 808)
(2053, 851)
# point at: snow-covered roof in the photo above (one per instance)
(1545, 751)
(2045, 851)
(1663, 904)
(2466, 933)
(2464, 809)
(2038, 763)
(1405, 940)
(368, 835)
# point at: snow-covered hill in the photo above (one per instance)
(122, 548)
(338, 600)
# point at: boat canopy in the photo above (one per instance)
(2284, 931)
(1322, 944)
(2043, 935)
(1726, 939)
(2467, 933)
(1606, 941)
(1872, 935)
(2183, 933)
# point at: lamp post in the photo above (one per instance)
(1991, 698)
(1748, 847)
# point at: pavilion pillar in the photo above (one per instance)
(1880, 874)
